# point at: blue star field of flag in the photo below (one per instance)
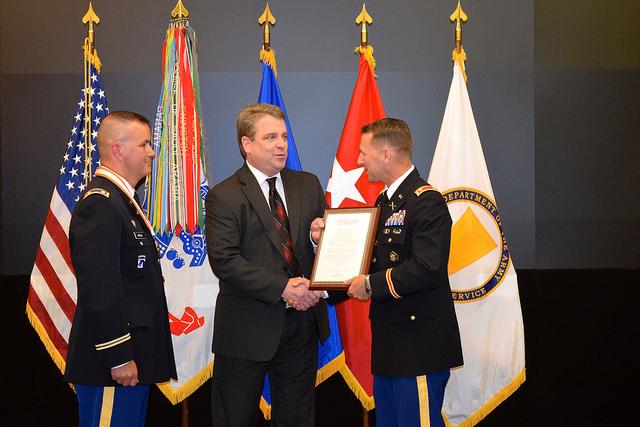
(72, 173)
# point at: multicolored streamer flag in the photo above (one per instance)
(330, 353)
(349, 187)
(176, 190)
(482, 275)
(51, 303)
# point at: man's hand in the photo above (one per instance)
(357, 289)
(298, 295)
(126, 375)
(316, 229)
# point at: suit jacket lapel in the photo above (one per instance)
(254, 195)
(292, 195)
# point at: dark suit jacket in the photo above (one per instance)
(413, 321)
(121, 313)
(245, 253)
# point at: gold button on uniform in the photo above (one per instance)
(412, 317)
(390, 239)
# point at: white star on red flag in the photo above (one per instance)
(342, 184)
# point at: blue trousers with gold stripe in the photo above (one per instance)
(410, 401)
(112, 406)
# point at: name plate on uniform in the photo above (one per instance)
(345, 247)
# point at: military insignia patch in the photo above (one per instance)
(393, 256)
(138, 235)
(99, 191)
(396, 219)
(141, 261)
(424, 188)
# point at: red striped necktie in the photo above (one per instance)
(281, 222)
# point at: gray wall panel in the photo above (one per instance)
(587, 152)
(41, 61)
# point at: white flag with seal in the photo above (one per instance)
(483, 279)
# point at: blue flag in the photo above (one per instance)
(330, 353)
(270, 94)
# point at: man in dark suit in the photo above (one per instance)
(120, 341)
(415, 337)
(258, 241)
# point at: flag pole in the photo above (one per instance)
(459, 55)
(364, 19)
(266, 19)
(90, 18)
(179, 15)
(267, 54)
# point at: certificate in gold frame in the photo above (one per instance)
(345, 247)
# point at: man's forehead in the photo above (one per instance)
(270, 121)
(135, 131)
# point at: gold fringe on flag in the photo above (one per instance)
(269, 58)
(323, 373)
(367, 51)
(91, 55)
(460, 57)
(366, 400)
(330, 368)
(491, 403)
(177, 396)
(48, 345)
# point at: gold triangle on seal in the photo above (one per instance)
(470, 241)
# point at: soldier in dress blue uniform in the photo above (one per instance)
(120, 341)
(415, 336)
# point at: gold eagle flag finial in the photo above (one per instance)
(459, 55)
(91, 18)
(364, 19)
(179, 12)
(265, 20)
(267, 54)
(90, 59)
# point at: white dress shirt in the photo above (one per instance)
(264, 185)
(393, 187)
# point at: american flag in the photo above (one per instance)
(52, 296)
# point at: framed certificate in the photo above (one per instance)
(345, 247)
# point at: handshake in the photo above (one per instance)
(298, 295)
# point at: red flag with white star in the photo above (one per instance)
(349, 187)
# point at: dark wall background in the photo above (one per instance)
(41, 79)
(587, 149)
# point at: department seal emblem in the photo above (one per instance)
(479, 254)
